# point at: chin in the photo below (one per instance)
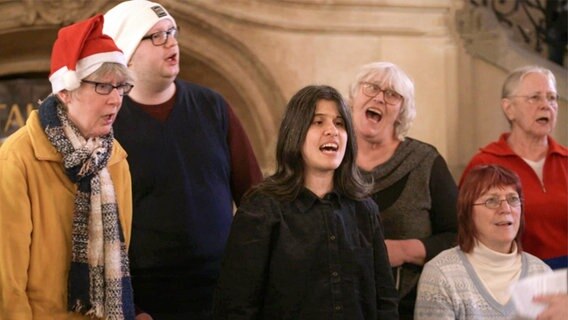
(175, 71)
(103, 132)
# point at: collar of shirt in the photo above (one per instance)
(307, 199)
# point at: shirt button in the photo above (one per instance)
(332, 237)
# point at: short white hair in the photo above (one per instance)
(389, 75)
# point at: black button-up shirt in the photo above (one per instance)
(310, 258)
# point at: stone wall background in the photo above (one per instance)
(258, 53)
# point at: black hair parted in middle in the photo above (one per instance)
(288, 179)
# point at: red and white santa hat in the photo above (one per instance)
(79, 50)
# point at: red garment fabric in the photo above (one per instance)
(546, 203)
(245, 171)
(161, 111)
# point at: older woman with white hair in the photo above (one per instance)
(529, 100)
(412, 185)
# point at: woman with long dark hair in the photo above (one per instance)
(307, 243)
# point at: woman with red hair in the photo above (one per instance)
(472, 280)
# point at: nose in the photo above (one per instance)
(331, 130)
(379, 96)
(507, 207)
(171, 41)
(115, 97)
(545, 104)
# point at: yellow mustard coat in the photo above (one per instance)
(36, 208)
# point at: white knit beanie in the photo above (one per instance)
(129, 21)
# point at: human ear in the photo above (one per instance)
(508, 108)
(64, 96)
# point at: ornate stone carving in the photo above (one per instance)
(60, 12)
(485, 37)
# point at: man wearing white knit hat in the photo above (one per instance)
(190, 161)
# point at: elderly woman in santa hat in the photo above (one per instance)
(65, 190)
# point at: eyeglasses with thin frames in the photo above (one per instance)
(494, 202)
(104, 88)
(161, 37)
(371, 90)
(550, 98)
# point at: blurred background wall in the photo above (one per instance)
(258, 53)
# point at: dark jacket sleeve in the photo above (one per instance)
(245, 171)
(443, 215)
(387, 296)
(242, 281)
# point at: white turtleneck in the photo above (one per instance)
(497, 271)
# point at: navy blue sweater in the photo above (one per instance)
(181, 173)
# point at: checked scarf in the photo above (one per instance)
(99, 278)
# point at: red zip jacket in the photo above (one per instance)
(546, 203)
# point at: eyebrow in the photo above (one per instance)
(160, 30)
(539, 92)
(498, 194)
(328, 115)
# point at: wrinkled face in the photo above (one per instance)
(529, 110)
(326, 140)
(151, 63)
(497, 228)
(91, 112)
(373, 117)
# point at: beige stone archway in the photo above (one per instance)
(214, 58)
(29, 28)
(209, 57)
(258, 53)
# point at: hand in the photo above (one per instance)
(143, 316)
(557, 306)
(406, 251)
(396, 254)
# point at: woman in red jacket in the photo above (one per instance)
(530, 103)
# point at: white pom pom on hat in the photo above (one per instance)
(129, 21)
(79, 50)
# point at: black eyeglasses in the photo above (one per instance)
(371, 90)
(106, 88)
(161, 37)
(494, 202)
